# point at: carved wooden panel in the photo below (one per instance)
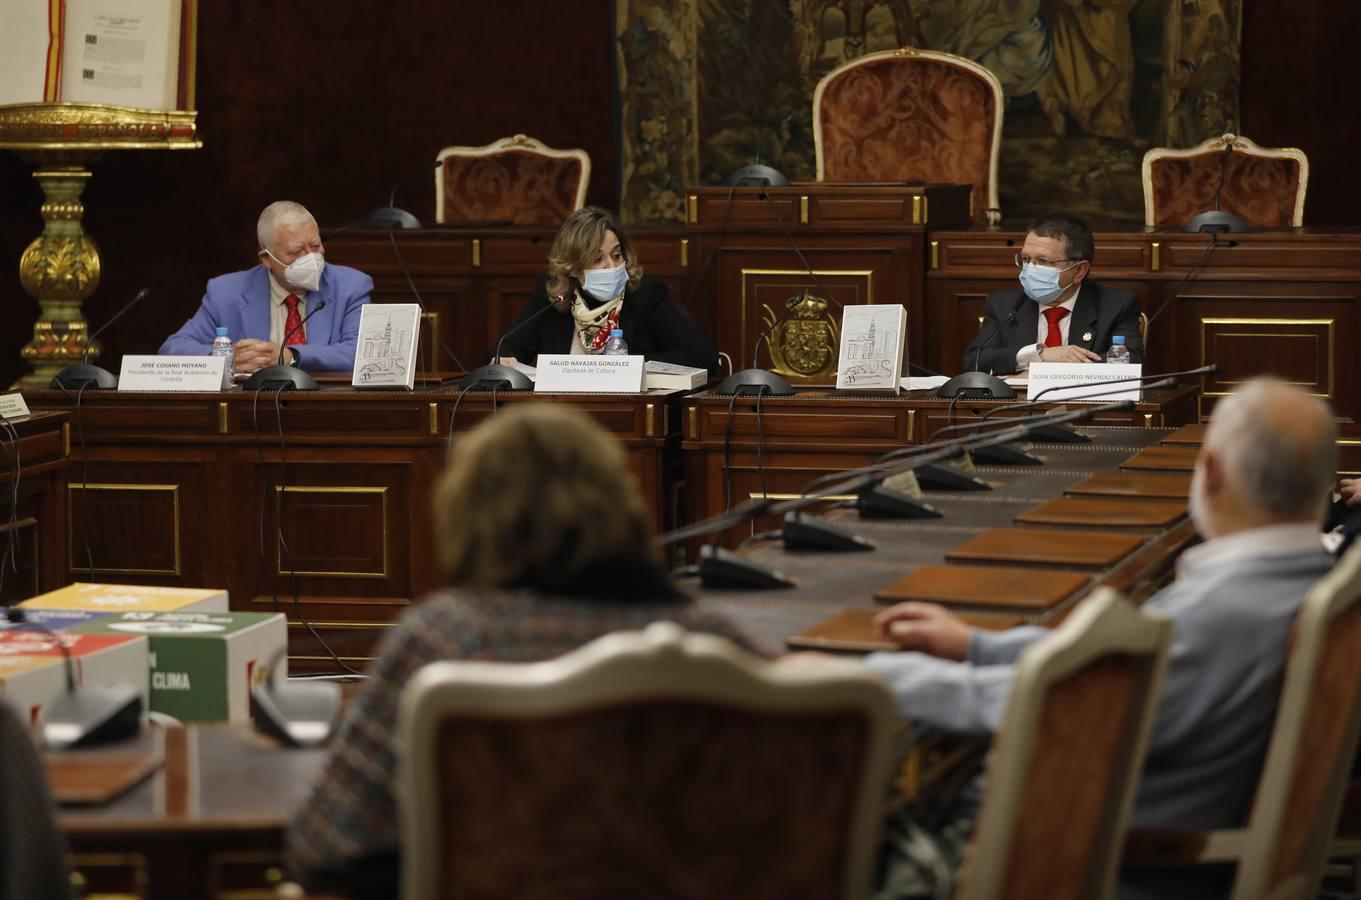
(124, 530)
(1304, 335)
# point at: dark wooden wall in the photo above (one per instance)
(330, 105)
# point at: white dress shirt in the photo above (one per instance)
(1029, 354)
(278, 312)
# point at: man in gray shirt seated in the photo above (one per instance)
(1258, 493)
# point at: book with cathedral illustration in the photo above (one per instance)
(136, 53)
(385, 353)
(872, 340)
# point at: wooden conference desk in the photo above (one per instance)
(786, 442)
(1283, 302)
(176, 483)
(208, 823)
(38, 519)
(1155, 524)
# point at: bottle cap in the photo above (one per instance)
(222, 331)
(618, 332)
(1118, 340)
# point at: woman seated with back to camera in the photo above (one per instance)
(595, 284)
(547, 545)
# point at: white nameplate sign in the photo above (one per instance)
(171, 373)
(589, 374)
(1068, 380)
(12, 406)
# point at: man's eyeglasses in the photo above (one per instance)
(1022, 260)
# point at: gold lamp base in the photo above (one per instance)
(60, 269)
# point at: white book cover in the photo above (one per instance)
(385, 354)
(872, 338)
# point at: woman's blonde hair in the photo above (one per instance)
(577, 245)
(534, 496)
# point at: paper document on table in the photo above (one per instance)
(922, 383)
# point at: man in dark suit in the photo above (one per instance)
(1057, 315)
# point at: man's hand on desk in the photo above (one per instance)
(1068, 354)
(251, 355)
(926, 627)
(1350, 489)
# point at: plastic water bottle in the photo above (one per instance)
(1118, 353)
(615, 346)
(222, 346)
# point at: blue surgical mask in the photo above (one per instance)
(1041, 283)
(605, 284)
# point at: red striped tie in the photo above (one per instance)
(293, 324)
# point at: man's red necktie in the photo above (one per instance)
(1052, 338)
(293, 334)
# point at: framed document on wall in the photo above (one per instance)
(132, 53)
(78, 78)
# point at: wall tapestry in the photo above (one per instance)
(710, 85)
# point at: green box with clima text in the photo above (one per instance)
(203, 664)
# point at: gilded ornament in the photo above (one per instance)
(805, 345)
(65, 269)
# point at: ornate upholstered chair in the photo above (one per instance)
(646, 764)
(911, 115)
(1280, 854)
(1061, 775)
(1264, 187)
(516, 180)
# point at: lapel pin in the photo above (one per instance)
(1086, 335)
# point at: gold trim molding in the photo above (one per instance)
(1260, 322)
(172, 489)
(279, 491)
(96, 126)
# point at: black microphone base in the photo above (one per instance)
(753, 381)
(299, 715)
(496, 378)
(801, 533)
(288, 378)
(941, 477)
(1057, 434)
(389, 217)
(1216, 221)
(83, 375)
(977, 386)
(92, 715)
(719, 568)
(1005, 455)
(882, 502)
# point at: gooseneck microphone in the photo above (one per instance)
(392, 216)
(756, 380)
(82, 374)
(496, 377)
(280, 376)
(1216, 220)
(983, 385)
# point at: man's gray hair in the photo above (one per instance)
(1279, 447)
(280, 212)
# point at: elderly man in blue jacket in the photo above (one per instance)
(264, 308)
